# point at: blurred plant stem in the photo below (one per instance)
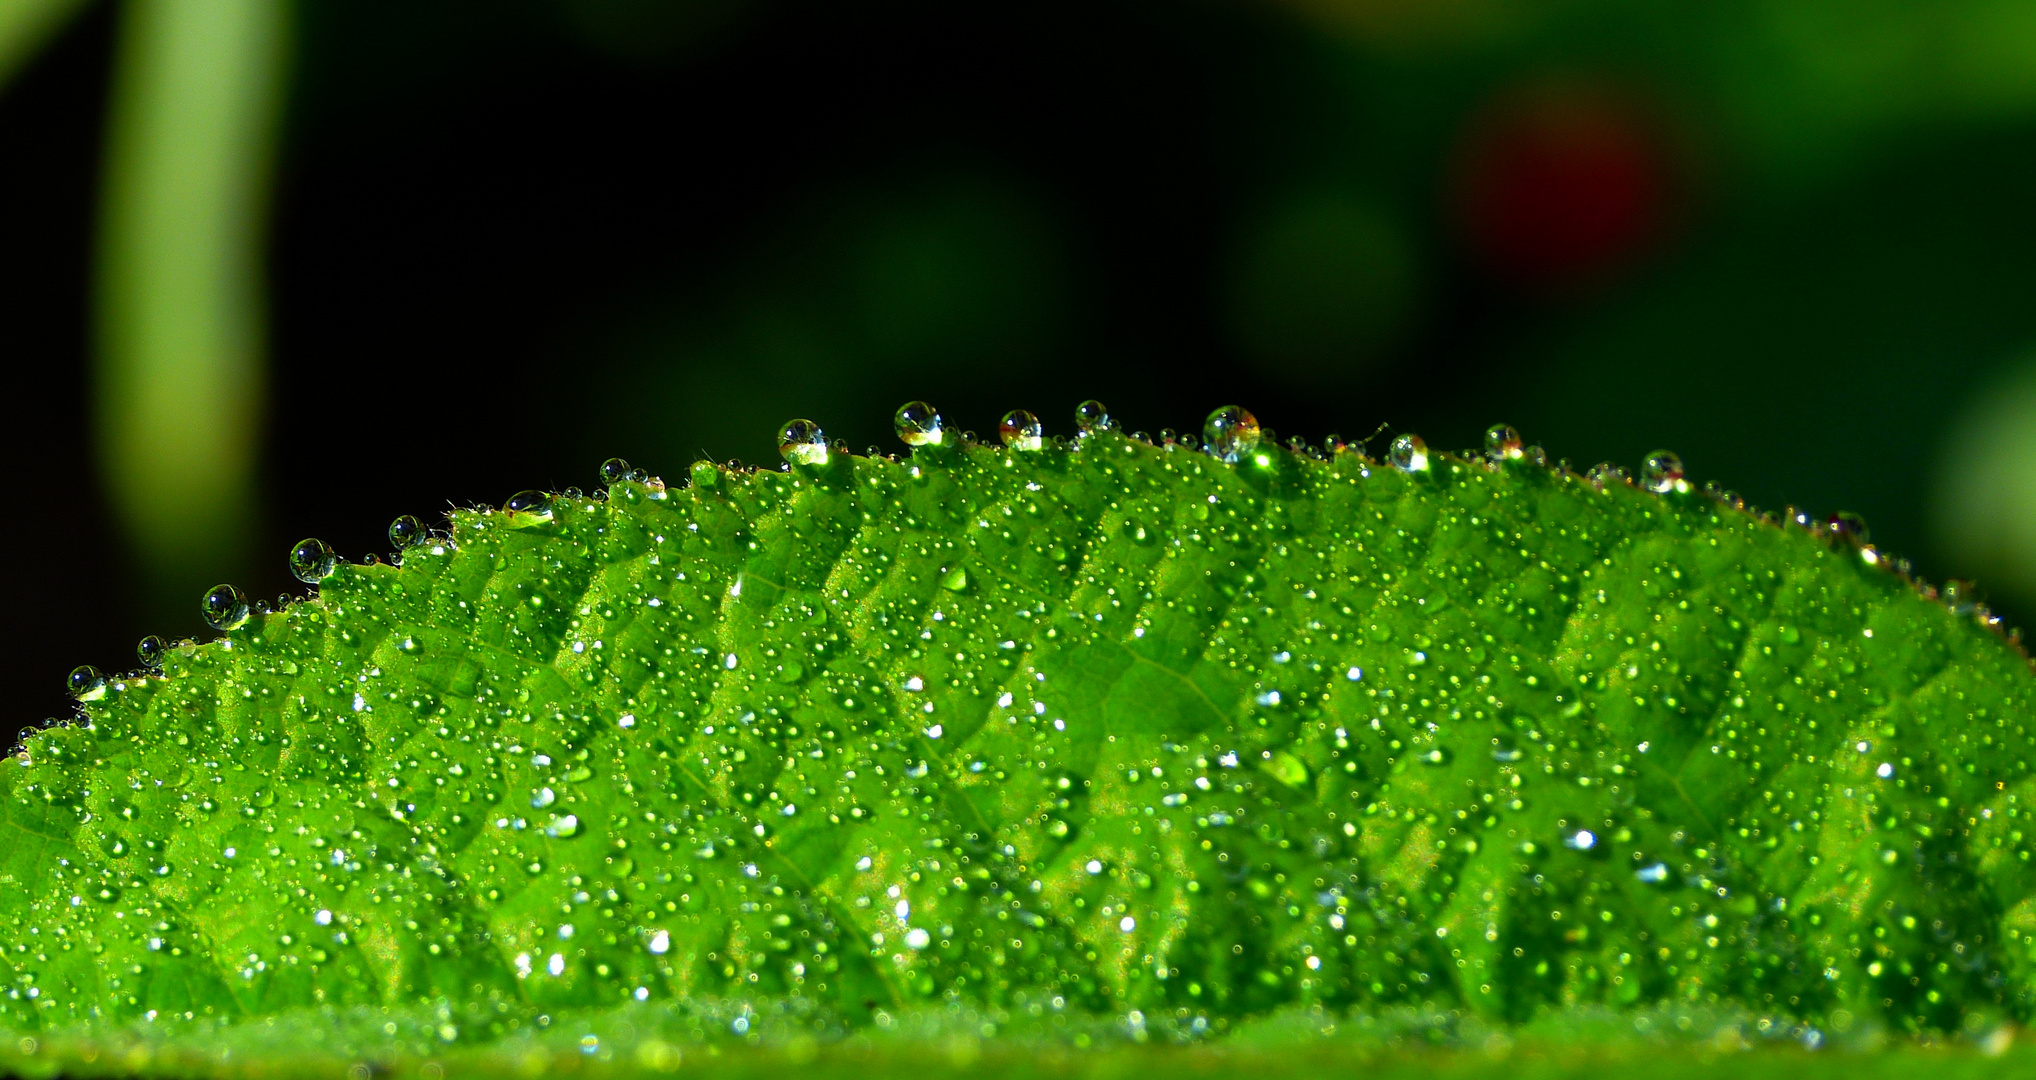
(197, 90)
(25, 25)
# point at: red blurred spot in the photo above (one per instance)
(1561, 187)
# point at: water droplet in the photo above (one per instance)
(1502, 442)
(1287, 769)
(1410, 453)
(1021, 430)
(1090, 416)
(918, 424)
(152, 649)
(955, 580)
(1848, 527)
(803, 443)
(1662, 473)
(86, 683)
(1581, 840)
(224, 608)
(1605, 473)
(1232, 432)
(312, 561)
(614, 469)
(1960, 595)
(533, 507)
(1653, 874)
(405, 531)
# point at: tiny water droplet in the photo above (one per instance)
(1231, 432)
(955, 580)
(152, 649)
(532, 507)
(614, 469)
(1090, 416)
(224, 608)
(1021, 430)
(86, 683)
(1960, 595)
(1604, 474)
(1409, 453)
(803, 443)
(918, 424)
(1502, 442)
(406, 531)
(1848, 527)
(312, 561)
(1662, 472)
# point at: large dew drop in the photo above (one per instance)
(614, 469)
(86, 683)
(1091, 416)
(529, 507)
(1021, 430)
(312, 561)
(1502, 443)
(151, 650)
(1232, 432)
(1662, 473)
(803, 443)
(918, 424)
(406, 532)
(224, 608)
(1409, 453)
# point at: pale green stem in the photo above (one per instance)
(196, 97)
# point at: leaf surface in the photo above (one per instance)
(1116, 730)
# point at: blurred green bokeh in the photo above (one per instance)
(181, 322)
(1788, 238)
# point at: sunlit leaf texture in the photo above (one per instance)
(1104, 729)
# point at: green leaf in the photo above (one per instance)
(1117, 731)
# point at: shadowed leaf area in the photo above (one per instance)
(1116, 732)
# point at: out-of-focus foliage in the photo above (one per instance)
(24, 27)
(181, 323)
(1786, 237)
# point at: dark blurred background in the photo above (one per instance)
(488, 244)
